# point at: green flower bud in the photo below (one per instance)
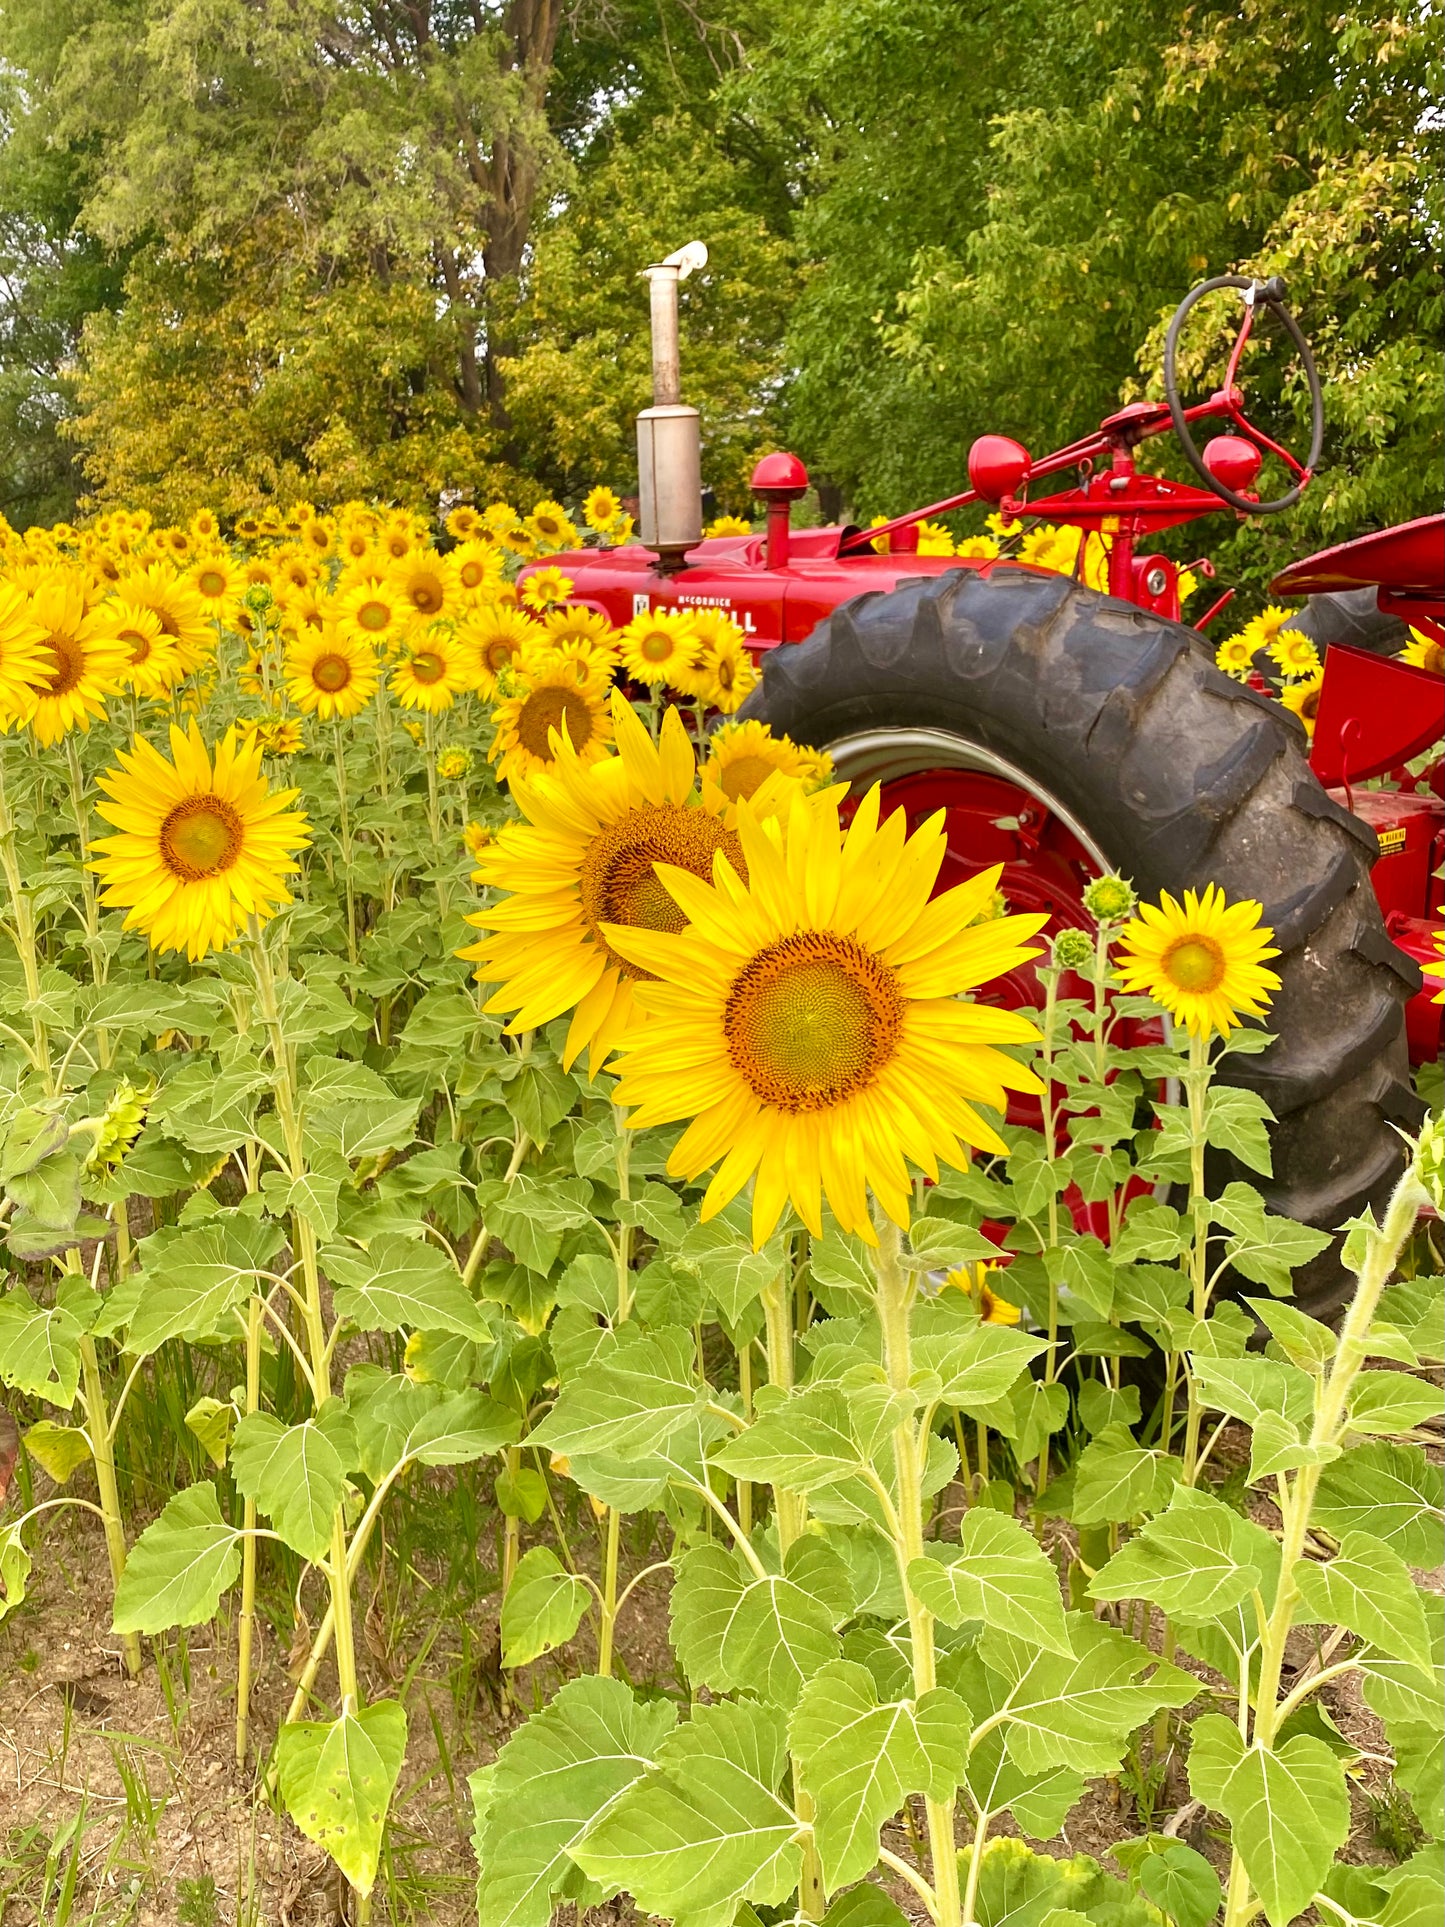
(1110, 899)
(1073, 950)
(1429, 1162)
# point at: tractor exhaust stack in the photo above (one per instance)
(669, 441)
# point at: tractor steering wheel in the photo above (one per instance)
(1229, 402)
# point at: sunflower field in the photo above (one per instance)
(560, 1357)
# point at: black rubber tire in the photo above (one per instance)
(1353, 616)
(1181, 777)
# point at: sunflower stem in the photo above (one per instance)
(23, 934)
(622, 1154)
(344, 813)
(102, 1447)
(791, 1507)
(896, 1291)
(1196, 1083)
(246, 1624)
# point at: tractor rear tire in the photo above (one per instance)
(1180, 777)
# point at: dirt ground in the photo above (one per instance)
(121, 1801)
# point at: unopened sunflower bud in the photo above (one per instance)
(454, 763)
(119, 1127)
(560, 1464)
(1429, 1161)
(1073, 950)
(1110, 899)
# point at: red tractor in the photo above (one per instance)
(1067, 732)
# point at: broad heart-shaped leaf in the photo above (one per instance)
(1261, 1247)
(179, 1567)
(732, 1273)
(1117, 1479)
(1079, 1712)
(1000, 1575)
(801, 1442)
(637, 1388)
(14, 1569)
(865, 1906)
(1386, 1402)
(975, 1366)
(1391, 1491)
(61, 1449)
(39, 1348)
(1246, 1388)
(532, 1215)
(1179, 1881)
(296, 1473)
(1234, 1121)
(706, 1826)
(938, 1244)
(403, 1284)
(1368, 1590)
(1288, 1810)
(543, 1607)
(337, 1778)
(397, 1420)
(1194, 1561)
(782, 1628)
(191, 1282)
(557, 1773)
(710, 1581)
(857, 1758)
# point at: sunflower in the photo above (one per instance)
(501, 520)
(155, 664)
(330, 671)
(373, 609)
(583, 857)
(205, 525)
(982, 546)
(24, 664)
(463, 522)
(88, 664)
(424, 583)
(973, 1282)
(592, 664)
(183, 615)
(1293, 653)
(728, 525)
(202, 846)
(1264, 627)
(219, 584)
(1235, 656)
(808, 1021)
(495, 637)
(577, 623)
(550, 527)
(1304, 699)
(549, 706)
(354, 540)
(1423, 653)
(725, 674)
(294, 569)
(276, 736)
(1202, 960)
(934, 539)
(544, 587)
(248, 528)
(475, 568)
(660, 646)
(1437, 969)
(742, 756)
(602, 508)
(434, 668)
(477, 837)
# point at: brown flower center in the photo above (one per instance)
(428, 667)
(812, 1020)
(426, 595)
(201, 837)
(69, 665)
(498, 653)
(619, 884)
(137, 641)
(373, 615)
(657, 646)
(748, 773)
(331, 673)
(548, 709)
(1194, 963)
(473, 574)
(211, 582)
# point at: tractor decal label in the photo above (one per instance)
(641, 602)
(723, 602)
(1391, 840)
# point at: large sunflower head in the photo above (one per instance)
(1235, 655)
(583, 858)
(373, 608)
(809, 1021)
(183, 614)
(155, 665)
(330, 671)
(554, 700)
(475, 567)
(1293, 653)
(545, 586)
(550, 528)
(202, 845)
(1203, 960)
(602, 508)
(1423, 652)
(424, 583)
(87, 665)
(726, 674)
(24, 663)
(433, 669)
(497, 635)
(1303, 699)
(219, 583)
(660, 646)
(742, 756)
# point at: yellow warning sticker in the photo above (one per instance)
(1391, 840)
